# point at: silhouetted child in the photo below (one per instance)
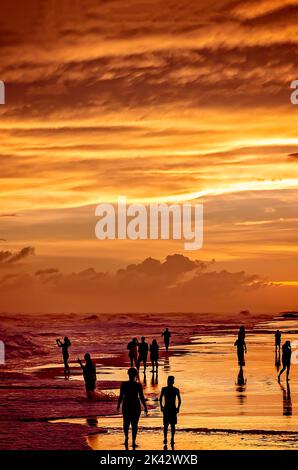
(143, 353)
(131, 394)
(154, 355)
(170, 402)
(89, 373)
(65, 353)
(133, 352)
(166, 336)
(286, 359)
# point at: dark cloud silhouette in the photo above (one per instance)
(9, 257)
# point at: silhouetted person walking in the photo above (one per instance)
(133, 352)
(277, 340)
(131, 394)
(143, 353)
(154, 355)
(89, 373)
(166, 337)
(65, 353)
(286, 359)
(241, 350)
(170, 402)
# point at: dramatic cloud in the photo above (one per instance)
(175, 285)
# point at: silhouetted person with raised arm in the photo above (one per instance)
(65, 354)
(131, 394)
(133, 352)
(286, 400)
(166, 337)
(286, 359)
(277, 340)
(154, 355)
(89, 373)
(170, 402)
(241, 349)
(143, 353)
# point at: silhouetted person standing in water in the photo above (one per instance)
(166, 337)
(286, 359)
(241, 350)
(133, 352)
(170, 402)
(143, 353)
(154, 354)
(277, 340)
(65, 353)
(131, 394)
(89, 373)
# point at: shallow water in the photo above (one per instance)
(216, 412)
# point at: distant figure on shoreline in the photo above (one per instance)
(65, 353)
(277, 340)
(277, 359)
(133, 352)
(143, 353)
(166, 337)
(170, 403)
(154, 355)
(89, 373)
(241, 349)
(286, 359)
(131, 394)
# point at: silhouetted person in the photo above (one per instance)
(241, 350)
(166, 337)
(89, 373)
(65, 353)
(170, 402)
(286, 400)
(286, 359)
(143, 353)
(277, 340)
(154, 354)
(133, 352)
(131, 394)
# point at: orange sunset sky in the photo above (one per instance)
(158, 101)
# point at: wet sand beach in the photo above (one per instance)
(216, 412)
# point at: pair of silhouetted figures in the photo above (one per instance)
(138, 351)
(131, 397)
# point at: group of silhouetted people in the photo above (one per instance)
(131, 392)
(286, 352)
(138, 351)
